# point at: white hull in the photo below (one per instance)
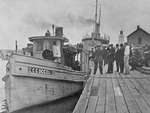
(30, 81)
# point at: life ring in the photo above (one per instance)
(47, 54)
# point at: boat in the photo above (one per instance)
(45, 77)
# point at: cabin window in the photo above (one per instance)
(50, 45)
(140, 40)
(39, 45)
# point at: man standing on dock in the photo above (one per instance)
(126, 58)
(117, 57)
(110, 57)
(98, 59)
(121, 58)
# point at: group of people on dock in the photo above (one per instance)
(103, 56)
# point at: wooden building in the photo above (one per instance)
(139, 37)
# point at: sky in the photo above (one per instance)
(20, 19)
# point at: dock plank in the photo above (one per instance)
(92, 104)
(142, 98)
(137, 96)
(93, 97)
(143, 83)
(110, 101)
(102, 97)
(115, 93)
(84, 98)
(142, 86)
(95, 87)
(129, 100)
(120, 100)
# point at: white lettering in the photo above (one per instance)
(39, 71)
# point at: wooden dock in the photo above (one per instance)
(115, 93)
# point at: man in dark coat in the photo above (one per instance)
(117, 57)
(98, 59)
(121, 58)
(110, 57)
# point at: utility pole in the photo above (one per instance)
(16, 48)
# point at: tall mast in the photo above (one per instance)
(96, 15)
(99, 21)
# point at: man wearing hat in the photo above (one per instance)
(98, 59)
(110, 57)
(117, 57)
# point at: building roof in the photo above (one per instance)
(48, 37)
(138, 29)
